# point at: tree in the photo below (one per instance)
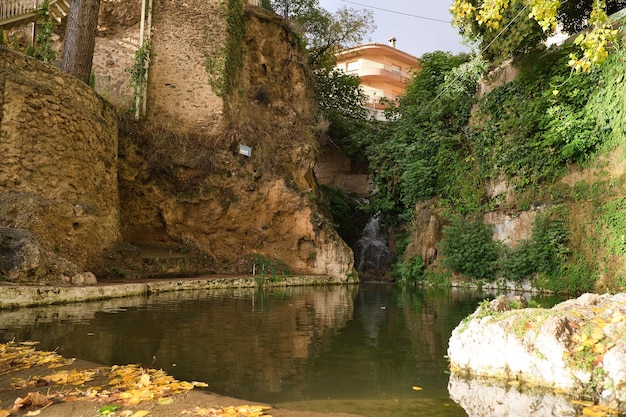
(342, 101)
(489, 21)
(574, 15)
(80, 38)
(326, 33)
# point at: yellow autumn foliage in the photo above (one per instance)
(594, 44)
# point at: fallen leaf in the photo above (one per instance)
(33, 413)
(416, 388)
(108, 409)
(165, 400)
(140, 413)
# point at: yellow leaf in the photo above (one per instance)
(144, 381)
(581, 402)
(141, 413)
(591, 411)
(165, 400)
(416, 388)
(617, 317)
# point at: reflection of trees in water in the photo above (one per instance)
(237, 343)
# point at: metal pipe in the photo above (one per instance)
(144, 93)
(141, 29)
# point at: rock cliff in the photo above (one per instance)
(188, 201)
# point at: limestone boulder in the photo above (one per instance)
(576, 346)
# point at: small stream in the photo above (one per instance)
(357, 349)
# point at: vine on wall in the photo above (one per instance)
(224, 65)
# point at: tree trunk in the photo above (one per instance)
(80, 38)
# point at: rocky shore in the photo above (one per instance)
(577, 347)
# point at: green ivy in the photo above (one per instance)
(611, 225)
(139, 71)
(43, 50)
(224, 66)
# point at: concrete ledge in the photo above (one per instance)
(15, 296)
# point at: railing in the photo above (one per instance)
(356, 67)
(11, 8)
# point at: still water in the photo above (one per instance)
(357, 349)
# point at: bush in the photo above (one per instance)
(411, 272)
(469, 249)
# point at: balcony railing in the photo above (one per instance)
(12, 8)
(355, 68)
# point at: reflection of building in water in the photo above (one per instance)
(384, 71)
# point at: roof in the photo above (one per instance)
(380, 48)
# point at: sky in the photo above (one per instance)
(415, 35)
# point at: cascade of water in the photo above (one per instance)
(371, 251)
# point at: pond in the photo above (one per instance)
(376, 350)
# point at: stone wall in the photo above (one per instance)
(183, 33)
(58, 177)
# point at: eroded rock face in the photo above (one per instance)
(186, 183)
(577, 346)
(24, 260)
(426, 232)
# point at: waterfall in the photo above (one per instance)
(371, 251)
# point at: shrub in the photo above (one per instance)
(469, 249)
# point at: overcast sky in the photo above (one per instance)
(415, 35)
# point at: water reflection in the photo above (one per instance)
(483, 398)
(356, 349)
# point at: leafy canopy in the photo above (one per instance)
(506, 27)
(326, 33)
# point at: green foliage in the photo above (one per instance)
(607, 103)
(515, 264)
(341, 100)
(469, 249)
(532, 127)
(139, 71)
(224, 66)
(611, 225)
(574, 277)
(521, 35)
(422, 151)
(411, 272)
(349, 214)
(544, 254)
(119, 272)
(43, 50)
(548, 244)
(325, 33)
